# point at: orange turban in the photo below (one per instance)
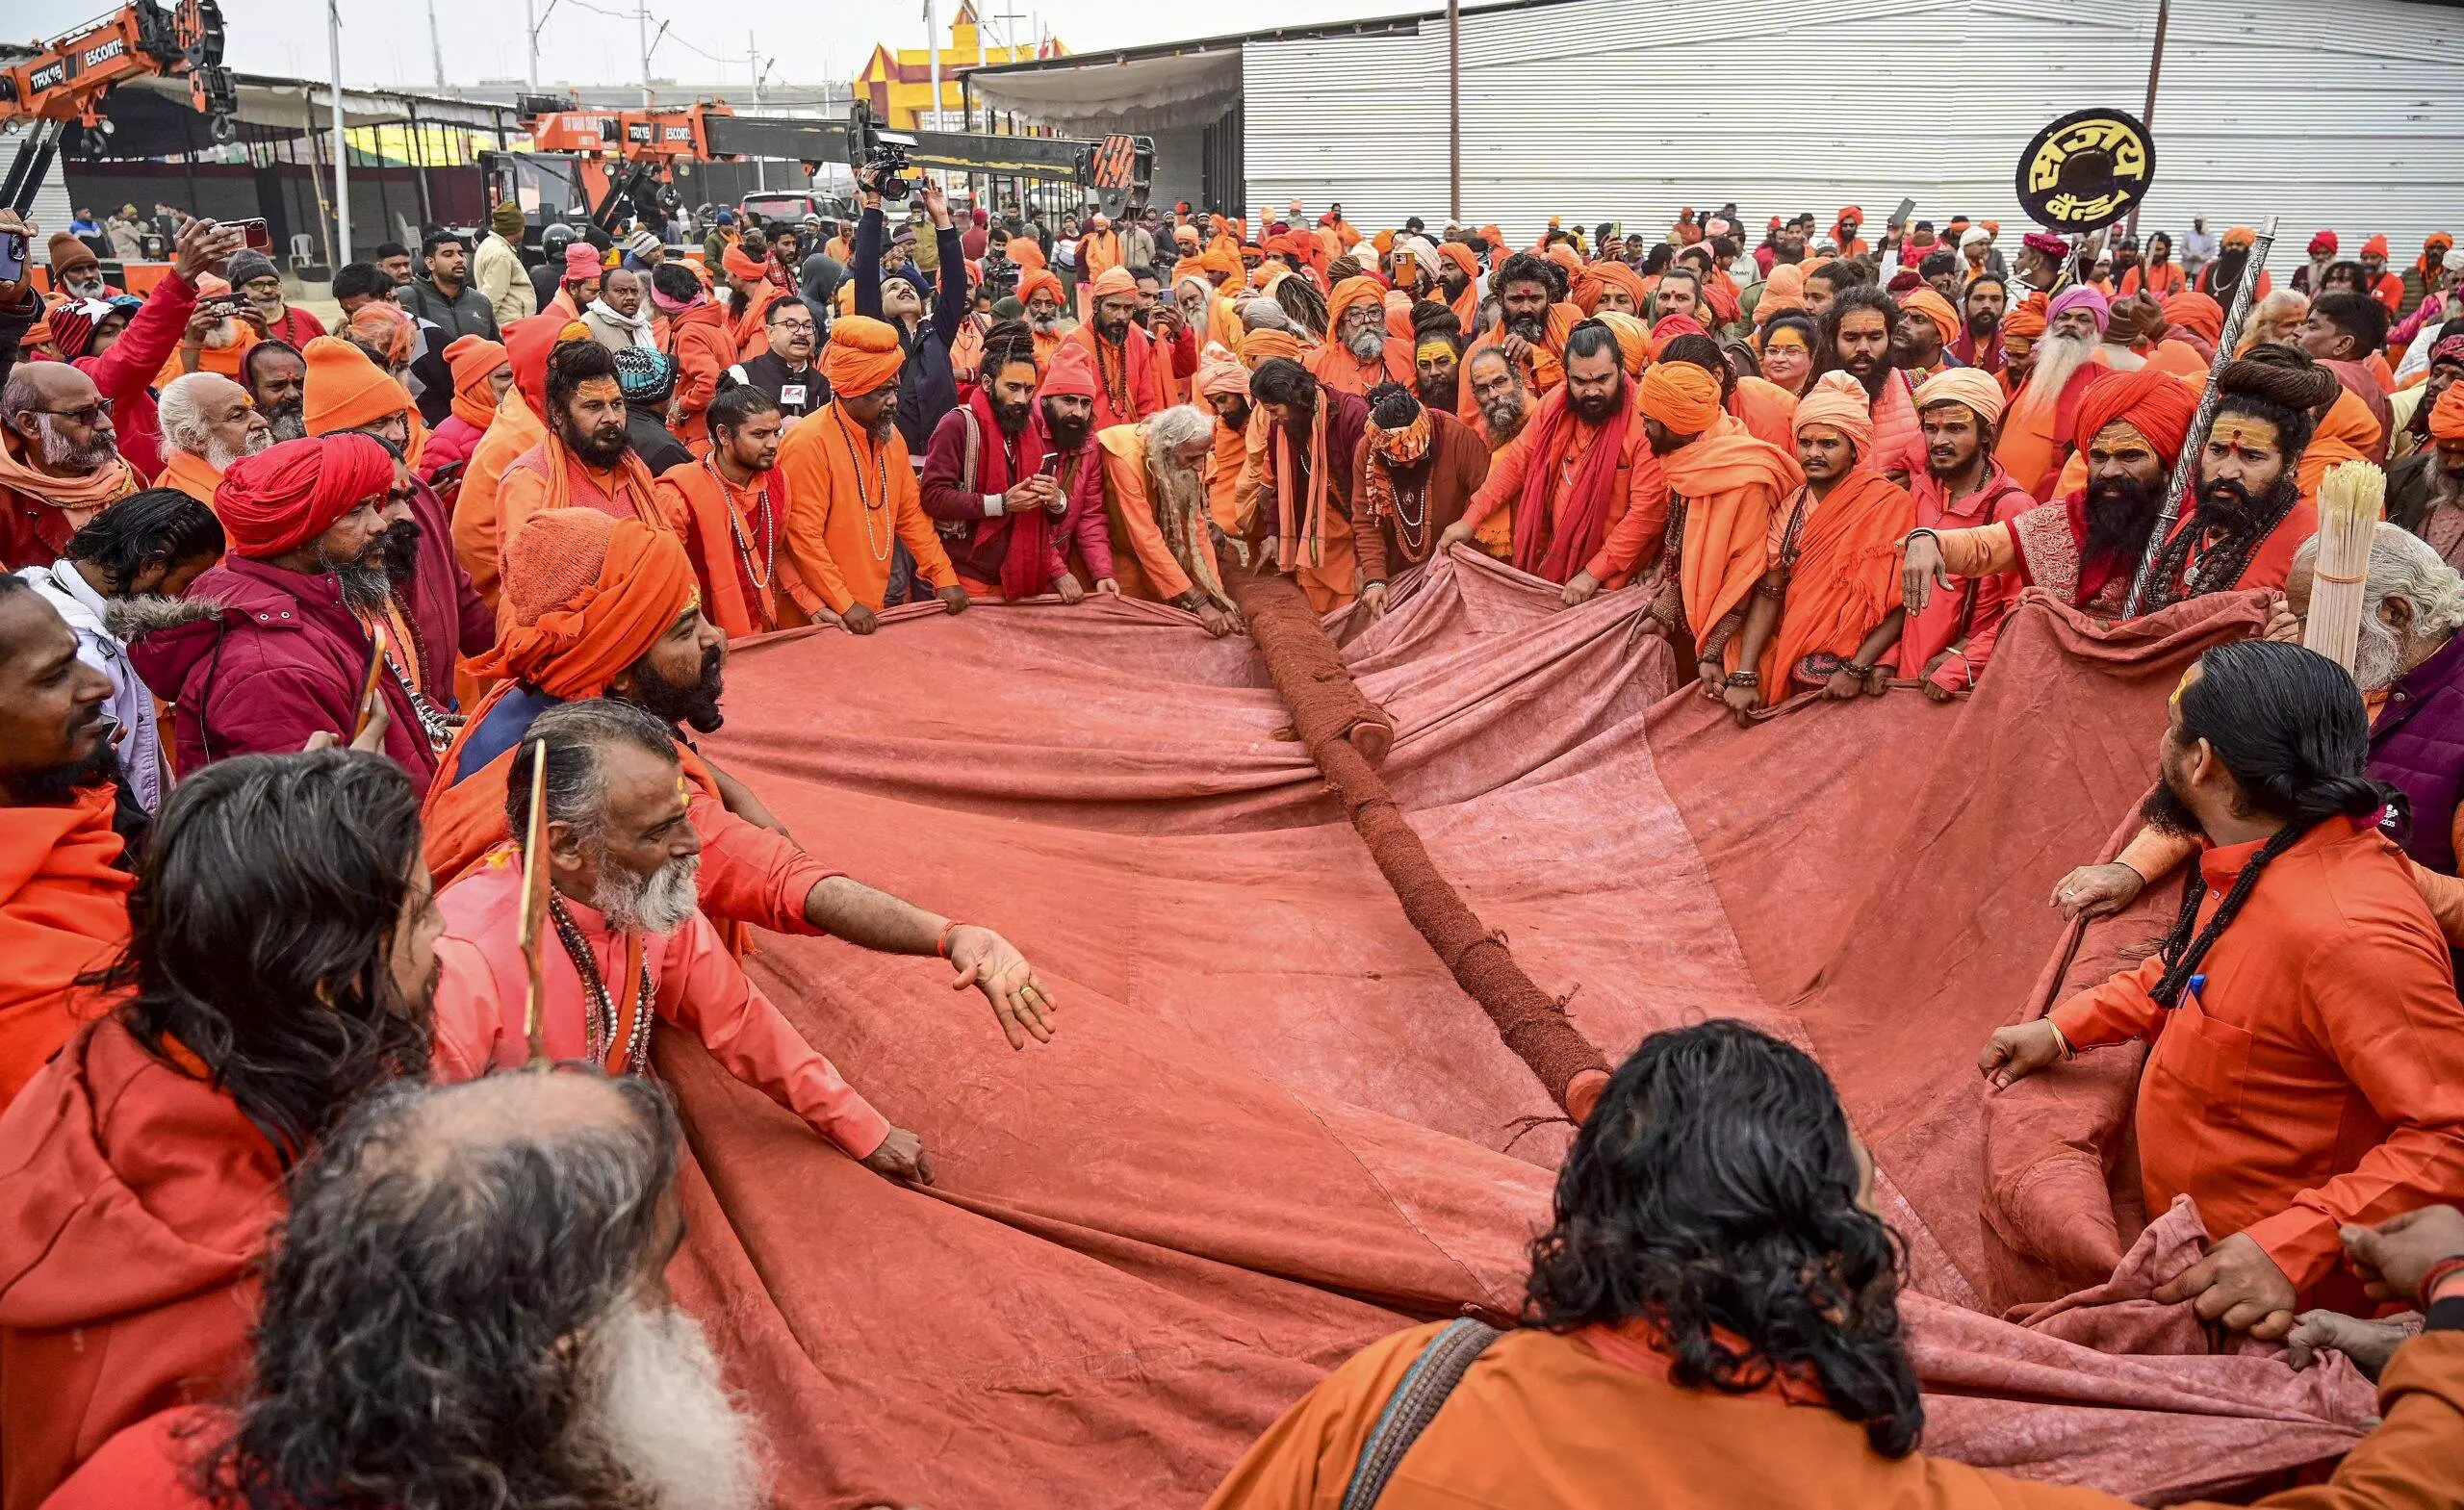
(345, 390)
(1838, 400)
(1633, 341)
(2447, 416)
(286, 496)
(2375, 247)
(1783, 291)
(2150, 401)
(1963, 385)
(1026, 251)
(1039, 278)
(1191, 267)
(1461, 256)
(1224, 260)
(1112, 281)
(1362, 289)
(473, 359)
(1214, 379)
(740, 265)
(1681, 395)
(862, 356)
(1566, 257)
(1602, 276)
(386, 324)
(1936, 308)
(2027, 323)
(1260, 344)
(2241, 236)
(586, 595)
(2197, 313)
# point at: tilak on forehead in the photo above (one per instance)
(2238, 430)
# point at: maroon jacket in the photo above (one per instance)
(450, 618)
(284, 659)
(977, 541)
(126, 372)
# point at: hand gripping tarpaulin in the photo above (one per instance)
(1272, 1129)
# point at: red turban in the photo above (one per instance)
(1680, 396)
(2324, 244)
(2197, 313)
(2150, 401)
(1040, 278)
(1071, 373)
(1672, 327)
(2447, 416)
(286, 496)
(862, 357)
(585, 595)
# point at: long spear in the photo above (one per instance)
(2185, 467)
(534, 908)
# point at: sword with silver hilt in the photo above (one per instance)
(2186, 466)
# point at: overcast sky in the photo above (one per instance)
(595, 42)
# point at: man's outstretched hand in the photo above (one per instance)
(2238, 1284)
(2018, 1051)
(900, 1157)
(992, 965)
(2393, 1257)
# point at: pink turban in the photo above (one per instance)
(2080, 296)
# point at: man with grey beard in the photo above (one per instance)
(466, 1305)
(59, 461)
(304, 597)
(2409, 665)
(628, 946)
(1498, 393)
(276, 376)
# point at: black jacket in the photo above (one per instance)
(927, 386)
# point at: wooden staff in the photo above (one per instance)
(534, 910)
(2351, 498)
(2185, 467)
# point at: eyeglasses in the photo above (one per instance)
(88, 415)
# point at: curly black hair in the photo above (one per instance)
(1713, 1196)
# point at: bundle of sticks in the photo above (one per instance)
(2352, 496)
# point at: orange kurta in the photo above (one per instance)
(1768, 410)
(64, 911)
(850, 503)
(1143, 565)
(1845, 579)
(514, 430)
(1337, 368)
(189, 473)
(1728, 483)
(721, 527)
(2317, 1076)
(1550, 1422)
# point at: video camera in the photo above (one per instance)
(883, 153)
(1000, 276)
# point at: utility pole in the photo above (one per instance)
(753, 61)
(933, 51)
(642, 19)
(1455, 109)
(341, 148)
(436, 46)
(531, 35)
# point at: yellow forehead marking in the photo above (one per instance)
(2236, 431)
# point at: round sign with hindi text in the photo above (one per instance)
(2086, 170)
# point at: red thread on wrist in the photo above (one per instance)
(941, 945)
(2446, 1272)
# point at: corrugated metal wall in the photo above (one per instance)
(1604, 110)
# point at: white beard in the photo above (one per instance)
(659, 902)
(2058, 359)
(1182, 486)
(659, 1415)
(2378, 656)
(224, 337)
(1366, 346)
(220, 456)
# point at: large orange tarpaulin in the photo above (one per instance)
(1272, 1129)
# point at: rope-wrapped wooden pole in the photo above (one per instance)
(1348, 735)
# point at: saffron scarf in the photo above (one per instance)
(1544, 546)
(82, 497)
(1311, 520)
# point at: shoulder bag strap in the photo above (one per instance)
(1416, 1402)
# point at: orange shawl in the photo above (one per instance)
(1326, 572)
(2347, 434)
(64, 911)
(1728, 482)
(542, 478)
(189, 473)
(1769, 411)
(1845, 579)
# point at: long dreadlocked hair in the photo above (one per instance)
(1302, 300)
(2289, 724)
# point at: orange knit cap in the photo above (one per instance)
(2375, 247)
(1071, 373)
(862, 357)
(586, 595)
(473, 359)
(345, 390)
(2447, 416)
(1838, 400)
(1681, 395)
